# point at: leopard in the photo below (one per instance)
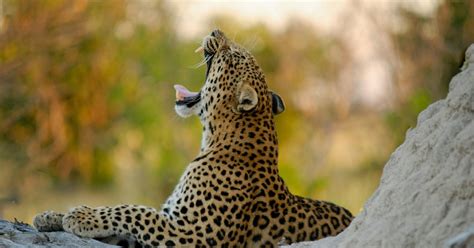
(231, 194)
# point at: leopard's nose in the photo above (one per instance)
(216, 33)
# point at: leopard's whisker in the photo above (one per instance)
(203, 62)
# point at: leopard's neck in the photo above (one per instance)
(250, 138)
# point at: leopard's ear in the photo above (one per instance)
(247, 98)
(277, 104)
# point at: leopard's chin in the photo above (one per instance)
(184, 111)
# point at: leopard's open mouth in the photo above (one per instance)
(189, 98)
(208, 56)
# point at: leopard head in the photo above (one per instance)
(235, 86)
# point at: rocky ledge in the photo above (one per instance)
(18, 234)
(426, 194)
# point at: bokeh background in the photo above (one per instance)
(87, 103)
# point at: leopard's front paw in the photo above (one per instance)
(85, 222)
(49, 221)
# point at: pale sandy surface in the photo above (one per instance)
(426, 194)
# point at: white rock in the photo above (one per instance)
(426, 194)
(18, 235)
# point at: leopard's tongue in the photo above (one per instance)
(182, 92)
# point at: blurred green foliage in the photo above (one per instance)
(86, 97)
(431, 51)
(56, 76)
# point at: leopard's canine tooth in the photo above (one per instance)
(199, 49)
